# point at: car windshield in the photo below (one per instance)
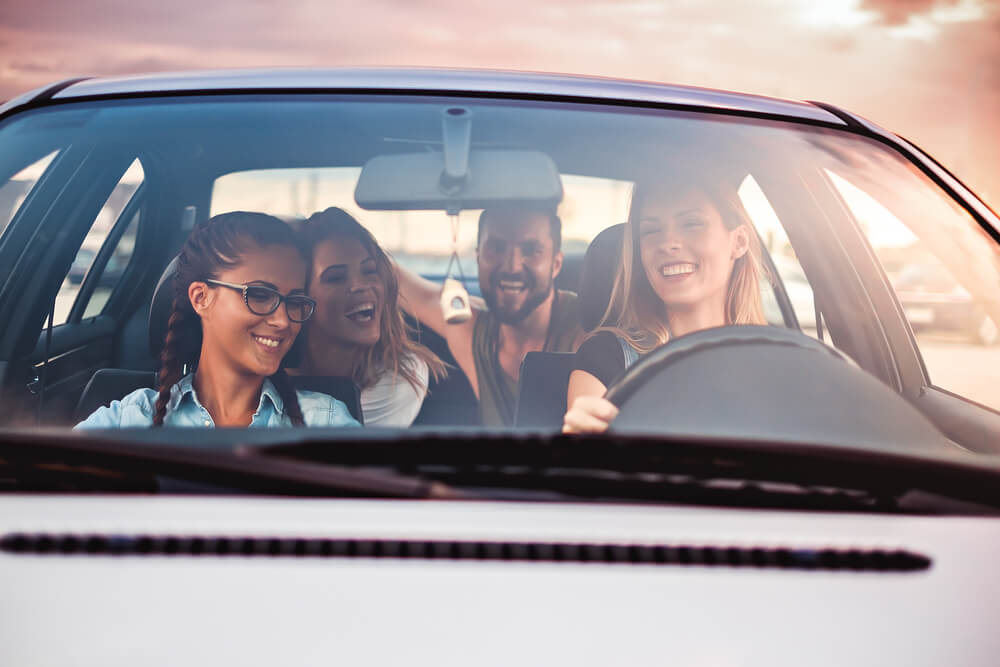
(485, 212)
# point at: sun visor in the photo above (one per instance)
(419, 181)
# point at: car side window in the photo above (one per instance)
(112, 271)
(16, 190)
(776, 243)
(934, 255)
(589, 205)
(86, 268)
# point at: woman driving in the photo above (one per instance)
(358, 330)
(691, 261)
(239, 302)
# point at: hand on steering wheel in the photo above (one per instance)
(589, 414)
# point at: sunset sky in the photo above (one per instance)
(927, 69)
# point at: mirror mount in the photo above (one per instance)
(456, 132)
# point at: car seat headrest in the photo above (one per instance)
(160, 307)
(597, 277)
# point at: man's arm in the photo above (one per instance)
(421, 298)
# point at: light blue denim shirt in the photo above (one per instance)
(184, 409)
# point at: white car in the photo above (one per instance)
(764, 497)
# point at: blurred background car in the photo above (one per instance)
(934, 301)
(112, 273)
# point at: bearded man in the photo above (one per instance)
(519, 257)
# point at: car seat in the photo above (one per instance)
(109, 384)
(541, 389)
(450, 401)
(569, 275)
(597, 277)
(544, 376)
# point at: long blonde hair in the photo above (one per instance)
(391, 352)
(637, 314)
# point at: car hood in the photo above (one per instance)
(268, 609)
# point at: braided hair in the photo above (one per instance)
(214, 246)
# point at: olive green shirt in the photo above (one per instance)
(497, 390)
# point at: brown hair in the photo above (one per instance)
(636, 313)
(394, 345)
(213, 246)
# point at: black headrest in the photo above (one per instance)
(160, 307)
(598, 275)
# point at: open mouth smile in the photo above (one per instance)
(269, 342)
(678, 269)
(363, 313)
(512, 286)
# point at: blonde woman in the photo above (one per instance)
(358, 330)
(691, 260)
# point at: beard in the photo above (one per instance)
(536, 296)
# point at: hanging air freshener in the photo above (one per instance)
(454, 297)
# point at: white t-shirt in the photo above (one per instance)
(392, 401)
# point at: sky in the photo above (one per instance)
(926, 69)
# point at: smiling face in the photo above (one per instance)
(517, 262)
(252, 345)
(349, 293)
(687, 252)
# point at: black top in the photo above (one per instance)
(601, 355)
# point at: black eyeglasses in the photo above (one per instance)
(261, 300)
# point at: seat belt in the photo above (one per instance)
(37, 386)
(819, 321)
(631, 356)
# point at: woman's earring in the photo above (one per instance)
(743, 247)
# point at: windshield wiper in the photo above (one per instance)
(54, 460)
(715, 471)
(500, 465)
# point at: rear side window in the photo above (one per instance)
(109, 275)
(788, 270)
(589, 205)
(95, 267)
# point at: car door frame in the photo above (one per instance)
(59, 218)
(967, 422)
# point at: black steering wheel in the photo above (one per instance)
(764, 383)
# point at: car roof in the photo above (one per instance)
(428, 80)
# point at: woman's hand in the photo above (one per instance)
(589, 414)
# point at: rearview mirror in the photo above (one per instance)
(418, 181)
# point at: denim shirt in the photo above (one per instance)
(184, 409)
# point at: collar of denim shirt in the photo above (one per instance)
(185, 388)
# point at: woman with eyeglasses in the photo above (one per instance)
(239, 302)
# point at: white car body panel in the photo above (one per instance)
(194, 610)
(455, 80)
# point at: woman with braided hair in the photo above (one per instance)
(239, 303)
